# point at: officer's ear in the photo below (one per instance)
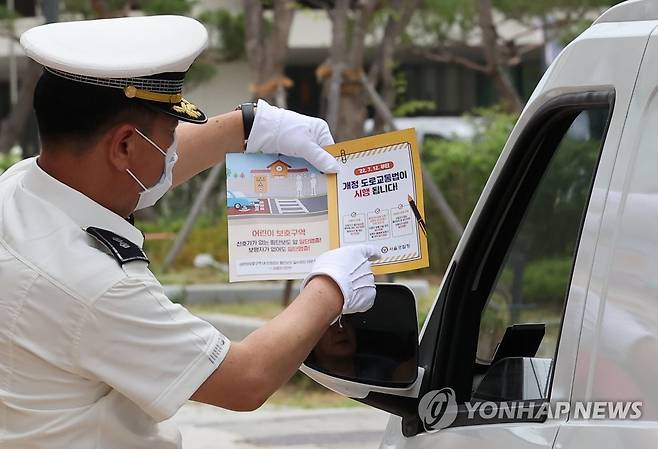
(122, 146)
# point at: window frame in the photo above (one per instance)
(456, 315)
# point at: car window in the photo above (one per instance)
(533, 280)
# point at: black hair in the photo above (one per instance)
(75, 113)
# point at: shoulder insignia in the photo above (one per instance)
(122, 249)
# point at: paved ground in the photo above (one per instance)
(206, 427)
(289, 206)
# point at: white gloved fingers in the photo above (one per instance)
(366, 279)
(322, 133)
(366, 294)
(277, 130)
(358, 267)
(371, 252)
(363, 290)
(332, 272)
(351, 270)
(318, 157)
(362, 275)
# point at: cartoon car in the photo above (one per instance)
(240, 201)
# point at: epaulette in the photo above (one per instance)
(123, 250)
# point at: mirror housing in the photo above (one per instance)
(373, 351)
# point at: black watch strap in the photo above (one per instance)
(248, 115)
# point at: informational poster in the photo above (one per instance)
(283, 213)
(277, 216)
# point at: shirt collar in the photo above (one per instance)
(80, 208)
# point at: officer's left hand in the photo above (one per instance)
(349, 267)
(277, 130)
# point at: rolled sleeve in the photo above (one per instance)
(154, 352)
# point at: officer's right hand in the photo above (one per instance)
(277, 130)
(349, 267)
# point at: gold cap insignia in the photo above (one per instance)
(187, 108)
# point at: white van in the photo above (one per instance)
(552, 294)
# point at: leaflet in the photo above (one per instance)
(283, 213)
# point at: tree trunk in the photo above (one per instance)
(266, 52)
(497, 67)
(14, 124)
(352, 102)
(337, 56)
(383, 67)
(266, 55)
(353, 114)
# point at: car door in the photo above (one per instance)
(523, 264)
(619, 339)
(527, 253)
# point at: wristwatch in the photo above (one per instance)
(248, 115)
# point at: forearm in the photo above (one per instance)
(283, 344)
(257, 366)
(202, 146)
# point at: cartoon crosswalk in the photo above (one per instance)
(292, 206)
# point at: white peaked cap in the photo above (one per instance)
(145, 57)
(118, 48)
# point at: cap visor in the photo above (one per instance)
(184, 111)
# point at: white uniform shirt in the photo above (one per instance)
(92, 352)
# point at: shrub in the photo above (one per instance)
(461, 168)
(545, 282)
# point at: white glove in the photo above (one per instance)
(349, 267)
(277, 130)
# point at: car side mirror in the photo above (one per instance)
(378, 347)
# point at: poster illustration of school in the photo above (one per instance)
(283, 213)
(277, 215)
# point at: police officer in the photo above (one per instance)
(92, 352)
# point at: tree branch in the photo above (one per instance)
(450, 58)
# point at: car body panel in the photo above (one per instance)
(606, 56)
(619, 344)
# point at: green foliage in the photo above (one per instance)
(6, 14)
(464, 12)
(521, 9)
(231, 32)
(572, 31)
(82, 7)
(208, 236)
(535, 275)
(563, 193)
(9, 159)
(409, 107)
(199, 72)
(545, 281)
(441, 15)
(413, 107)
(180, 7)
(461, 168)
(169, 214)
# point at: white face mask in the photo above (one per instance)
(150, 195)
